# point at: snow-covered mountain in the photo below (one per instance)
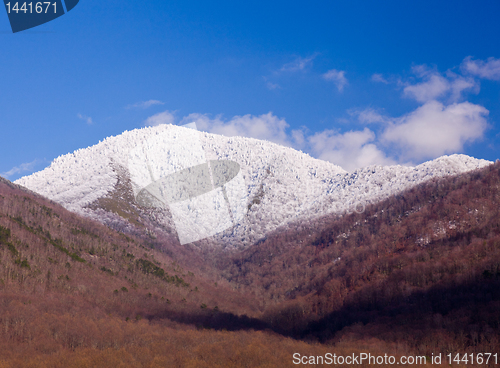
(280, 184)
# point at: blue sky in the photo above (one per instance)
(353, 82)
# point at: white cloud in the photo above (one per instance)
(272, 86)
(87, 119)
(265, 126)
(351, 150)
(28, 166)
(460, 84)
(337, 77)
(165, 117)
(433, 129)
(435, 85)
(298, 64)
(379, 78)
(299, 138)
(368, 116)
(489, 69)
(145, 104)
(430, 131)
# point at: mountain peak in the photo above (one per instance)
(280, 184)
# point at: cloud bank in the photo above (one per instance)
(435, 85)
(430, 131)
(350, 150)
(489, 69)
(434, 129)
(165, 117)
(265, 126)
(443, 123)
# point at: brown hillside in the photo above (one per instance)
(416, 274)
(421, 267)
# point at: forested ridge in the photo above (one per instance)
(417, 273)
(421, 267)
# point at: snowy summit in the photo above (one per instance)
(280, 184)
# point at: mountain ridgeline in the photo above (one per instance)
(417, 272)
(102, 182)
